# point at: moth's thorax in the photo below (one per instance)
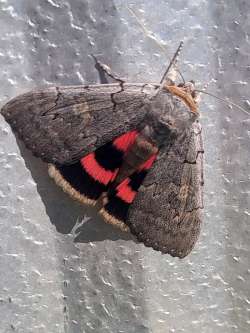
(172, 111)
(186, 92)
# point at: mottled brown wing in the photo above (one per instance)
(166, 214)
(61, 124)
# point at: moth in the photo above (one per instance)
(132, 150)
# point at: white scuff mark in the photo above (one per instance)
(242, 83)
(73, 25)
(11, 11)
(247, 102)
(217, 277)
(36, 271)
(30, 23)
(80, 77)
(52, 3)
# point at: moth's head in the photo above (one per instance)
(173, 110)
(184, 91)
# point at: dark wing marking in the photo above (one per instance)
(166, 213)
(61, 125)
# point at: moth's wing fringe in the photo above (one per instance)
(67, 188)
(112, 220)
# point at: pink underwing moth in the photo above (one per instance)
(133, 150)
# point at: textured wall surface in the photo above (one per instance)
(61, 268)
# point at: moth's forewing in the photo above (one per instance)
(62, 124)
(166, 213)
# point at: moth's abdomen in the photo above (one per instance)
(120, 198)
(141, 150)
(137, 161)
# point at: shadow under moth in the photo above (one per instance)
(133, 150)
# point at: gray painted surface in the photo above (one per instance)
(59, 274)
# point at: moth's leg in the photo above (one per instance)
(105, 69)
(171, 71)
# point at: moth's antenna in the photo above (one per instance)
(173, 63)
(151, 36)
(198, 96)
(223, 100)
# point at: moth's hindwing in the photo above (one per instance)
(87, 179)
(166, 213)
(62, 124)
(106, 171)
